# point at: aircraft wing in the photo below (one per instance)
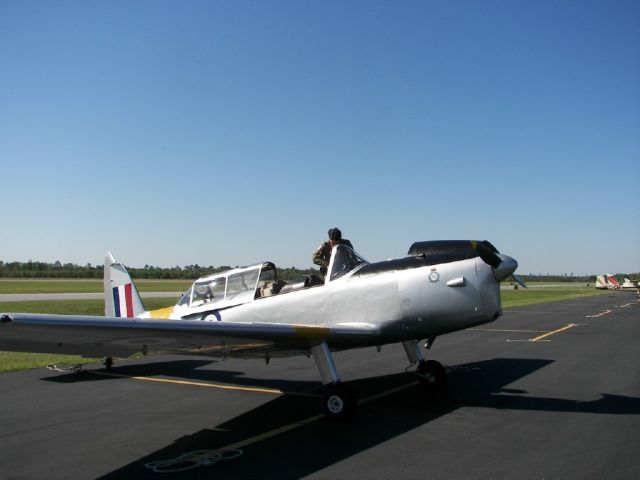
(93, 336)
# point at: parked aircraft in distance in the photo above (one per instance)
(438, 288)
(607, 282)
(610, 282)
(629, 284)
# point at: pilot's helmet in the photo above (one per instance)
(335, 234)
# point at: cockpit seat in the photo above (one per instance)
(269, 289)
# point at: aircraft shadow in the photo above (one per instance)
(316, 445)
(184, 369)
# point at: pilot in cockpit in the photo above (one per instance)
(202, 293)
(322, 255)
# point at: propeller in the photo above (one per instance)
(443, 251)
(503, 265)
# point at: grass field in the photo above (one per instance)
(10, 361)
(14, 285)
(546, 292)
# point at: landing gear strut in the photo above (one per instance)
(338, 403)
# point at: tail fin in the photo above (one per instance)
(601, 282)
(613, 281)
(121, 297)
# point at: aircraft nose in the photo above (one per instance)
(506, 267)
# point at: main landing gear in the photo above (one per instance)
(431, 374)
(338, 402)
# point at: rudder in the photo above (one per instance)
(121, 297)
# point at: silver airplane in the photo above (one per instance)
(438, 288)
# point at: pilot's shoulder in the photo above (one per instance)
(324, 245)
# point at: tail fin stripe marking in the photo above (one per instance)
(613, 280)
(123, 300)
(128, 299)
(116, 301)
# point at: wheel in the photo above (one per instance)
(108, 363)
(338, 403)
(432, 374)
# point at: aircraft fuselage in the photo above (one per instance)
(414, 303)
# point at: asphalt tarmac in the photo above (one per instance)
(546, 392)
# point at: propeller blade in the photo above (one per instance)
(487, 252)
(506, 268)
(518, 279)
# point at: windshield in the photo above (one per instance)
(208, 291)
(343, 260)
(186, 297)
(242, 285)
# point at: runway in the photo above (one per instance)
(547, 391)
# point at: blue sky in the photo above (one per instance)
(231, 132)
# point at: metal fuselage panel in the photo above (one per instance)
(448, 297)
(415, 303)
(371, 300)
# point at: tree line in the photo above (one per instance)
(32, 269)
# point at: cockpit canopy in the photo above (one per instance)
(245, 284)
(343, 260)
(232, 287)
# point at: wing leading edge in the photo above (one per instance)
(108, 336)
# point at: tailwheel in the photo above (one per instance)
(432, 374)
(108, 363)
(338, 403)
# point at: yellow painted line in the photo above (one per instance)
(605, 312)
(306, 421)
(272, 433)
(386, 393)
(272, 391)
(548, 334)
(505, 330)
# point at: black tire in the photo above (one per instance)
(338, 403)
(432, 374)
(108, 363)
